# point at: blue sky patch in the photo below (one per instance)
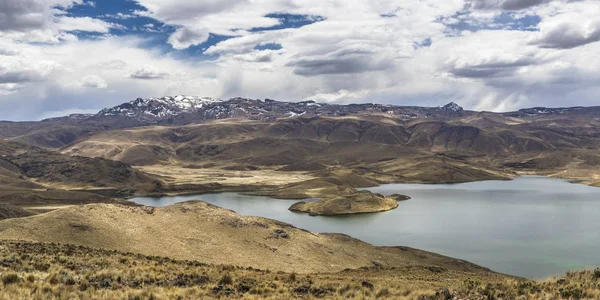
(503, 21)
(122, 13)
(156, 34)
(119, 12)
(268, 46)
(289, 21)
(425, 43)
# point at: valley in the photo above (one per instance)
(68, 181)
(532, 226)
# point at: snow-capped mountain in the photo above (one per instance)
(452, 107)
(158, 108)
(545, 111)
(187, 109)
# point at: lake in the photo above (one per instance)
(531, 226)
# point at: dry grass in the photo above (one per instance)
(178, 174)
(56, 271)
(200, 231)
(353, 203)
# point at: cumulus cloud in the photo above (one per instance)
(6, 88)
(19, 70)
(354, 51)
(116, 64)
(504, 4)
(148, 72)
(264, 56)
(569, 35)
(18, 15)
(348, 60)
(61, 81)
(83, 24)
(45, 20)
(491, 67)
(93, 81)
(8, 52)
(184, 37)
(17, 76)
(196, 19)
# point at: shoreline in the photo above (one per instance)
(246, 191)
(264, 191)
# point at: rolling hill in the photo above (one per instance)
(194, 144)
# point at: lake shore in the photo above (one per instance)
(443, 219)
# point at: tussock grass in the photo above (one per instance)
(55, 271)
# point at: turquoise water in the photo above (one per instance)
(531, 226)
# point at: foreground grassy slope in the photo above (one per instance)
(200, 231)
(58, 271)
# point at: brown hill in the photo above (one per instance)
(12, 177)
(52, 167)
(44, 200)
(331, 141)
(8, 211)
(372, 142)
(33, 177)
(199, 231)
(19, 161)
(374, 148)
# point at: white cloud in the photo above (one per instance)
(184, 37)
(358, 51)
(504, 4)
(148, 72)
(7, 88)
(93, 81)
(567, 27)
(8, 52)
(83, 24)
(63, 82)
(45, 21)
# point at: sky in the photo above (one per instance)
(59, 57)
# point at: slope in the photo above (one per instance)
(200, 231)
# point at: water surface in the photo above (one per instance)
(531, 226)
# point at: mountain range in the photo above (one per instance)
(81, 167)
(198, 143)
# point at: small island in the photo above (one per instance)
(356, 203)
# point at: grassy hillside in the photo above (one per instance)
(376, 148)
(8, 211)
(200, 231)
(45, 271)
(30, 176)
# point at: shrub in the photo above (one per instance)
(383, 293)
(226, 279)
(343, 290)
(571, 292)
(367, 285)
(10, 278)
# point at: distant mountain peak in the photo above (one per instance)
(452, 106)
(184, 109)
(153, 108)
